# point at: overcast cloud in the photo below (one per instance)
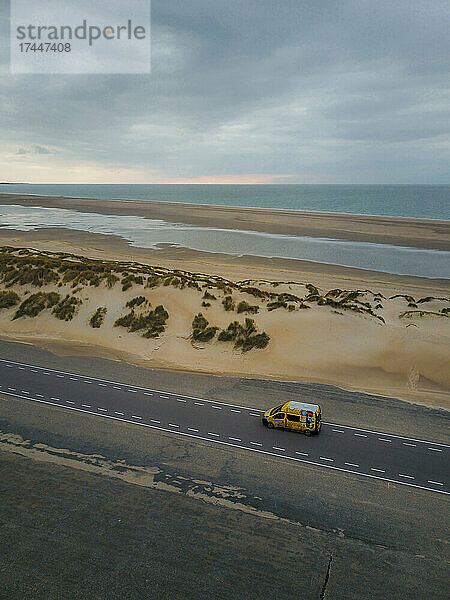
(350, 91)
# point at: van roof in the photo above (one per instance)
(302, 406)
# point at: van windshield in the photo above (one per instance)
(274, 410)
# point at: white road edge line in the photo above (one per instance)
(199, 437)
(401, 437)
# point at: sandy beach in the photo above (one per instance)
(418, 233)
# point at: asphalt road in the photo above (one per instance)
(380, 455)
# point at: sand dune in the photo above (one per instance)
(358, 339)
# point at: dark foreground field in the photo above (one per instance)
(96, 509)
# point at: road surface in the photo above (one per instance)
(379, 455)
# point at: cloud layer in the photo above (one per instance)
(289, 91)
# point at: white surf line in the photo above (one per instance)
(240, 447)
(87, 377)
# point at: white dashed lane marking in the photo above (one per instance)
(235, 439)
(192, 429)
(256, 443)
(217, 407)
(378, 470)
(154, 421)
(406, 476)
(338, 430)
(384, 440)
(435, 449)
(360, 434)
(70, 402)
(302, 453)
(180, 400)
(211, 433)
(324, 458)
(281, 449)
(234, 410)
(100, 408)
(351, 465)
(86, 405)
(199, 403)
(435, 482)
(406, 444)
(116, 412)
(138, 417)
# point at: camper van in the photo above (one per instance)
(298, 416)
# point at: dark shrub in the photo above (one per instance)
(248, 308)
(36, 303)
(228, 303)
(66, 308)
(98, 317)
(135, 301)
(8, 299)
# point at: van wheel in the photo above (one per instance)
(270, 425)
(307, 432)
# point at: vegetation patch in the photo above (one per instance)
(152, 324)
(36, 303)
(208, 296)
(245, 307)
(8, 299)
(98, 317)
(201, 332)
(65, 309)
(228, 303)
(136, 301)
(244, 336)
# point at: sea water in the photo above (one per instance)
(413, 201)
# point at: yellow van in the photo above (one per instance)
(298, 416)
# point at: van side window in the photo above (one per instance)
(293, 418)
(279, 416)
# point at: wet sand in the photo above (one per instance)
(417, 233)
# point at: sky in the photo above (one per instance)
(254, 91)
